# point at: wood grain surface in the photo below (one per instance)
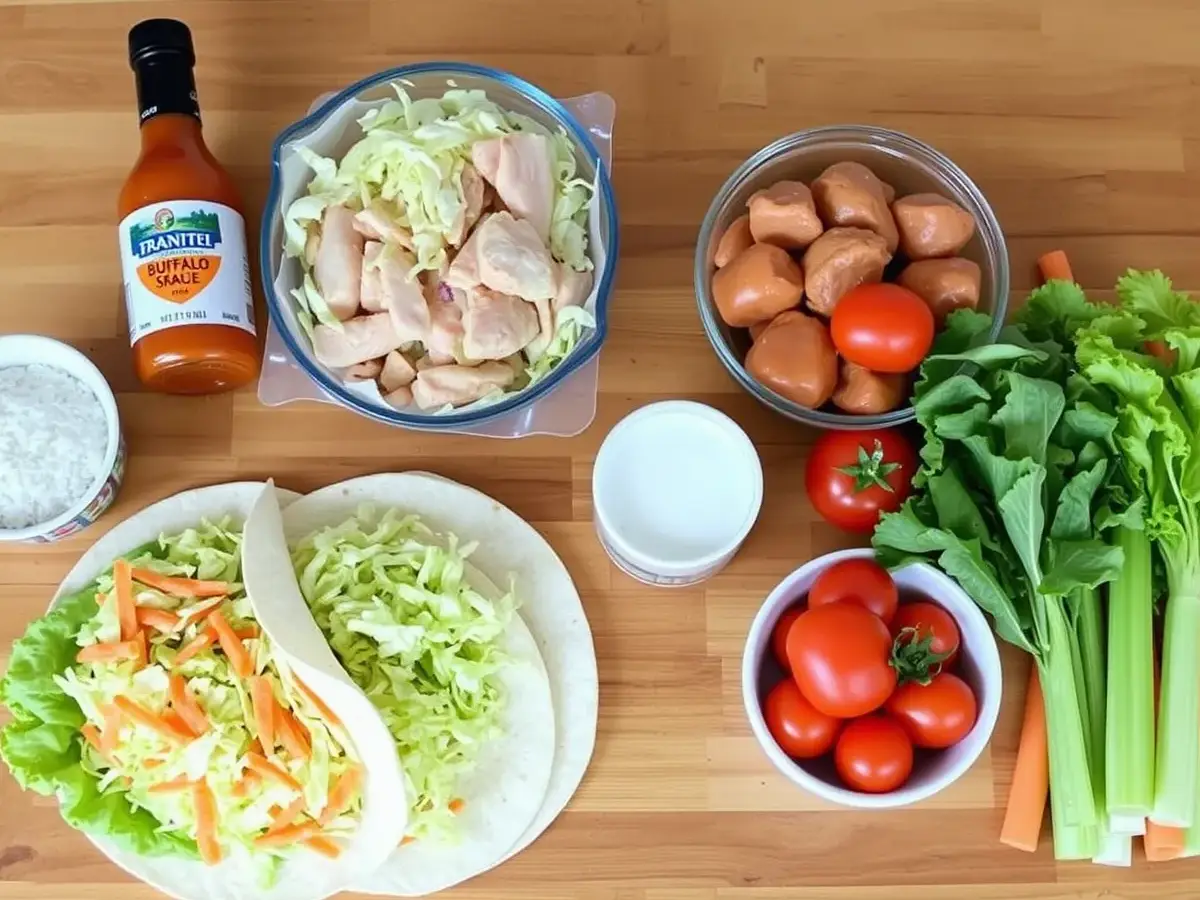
(1081, 122)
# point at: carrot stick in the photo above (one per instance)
(326, 713)
(174, 786)
(324, 846)
(198, 644)
(268, 769)
(1031, 777)
(263, 701)
(110, 730)
(290, 835)
(91, 734)
(158, 619)
(187, 706)
(176, 721)
(1054, 265)
(1162, 842)
(239, 659)
(98, 653)
(287, 816)
(247, 632)
(291, 734)
(206, 823)
(188, 588)
(200, 610)
(345, 789)
(126, 610)
(137, 713)
(244, 785)
(143, 650)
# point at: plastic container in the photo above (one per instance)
(903, 162)
(676, 488)
(933, 771)
(33, 349)
(564, 402)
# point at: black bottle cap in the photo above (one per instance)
(159, 37)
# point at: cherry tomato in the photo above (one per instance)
(861, 581)
(883, 327)
(930, 621)
(839, 656)
(780, 632)
(853, 476)
(873, 755)
(798, 728)
(935, 715)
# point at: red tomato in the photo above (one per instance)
(861, 581)
(873, 755)
(929, 621)
(884, 327)
(839, 656)
(853, 476)
(798, 728)
(780, 632)
(935, 715)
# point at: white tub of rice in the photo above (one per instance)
(60, 440)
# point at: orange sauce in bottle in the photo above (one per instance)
(184, 256)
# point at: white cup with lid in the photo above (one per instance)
(676, 488)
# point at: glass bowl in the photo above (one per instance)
(432, 80)
(903, 162)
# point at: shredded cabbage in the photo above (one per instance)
(392, 599)
(129, 764)
(571, 322)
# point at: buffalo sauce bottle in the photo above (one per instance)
(183, 238)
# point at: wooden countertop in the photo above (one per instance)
(1081, 122)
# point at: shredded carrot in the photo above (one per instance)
(407, 839)
(206, 823)
(200, 610)
(143, 650)
(110, 729)
(291, 734)
(326, 713)
(188, 588)
(290, 835)
(247, 632)
(268, 769)
(91, 734)
(1162, 842)
(187, 706)
(1055, 266)
(244, 785)
(198, 644)
(342, 794)
(324, 846)
(1031, 776)
(126, 610)
(115, 652)
(263, 702)
(178, 722)
(158, 619)
(456, 805)
(152, 763)
(174, 786)
(239, 659)
(287, 816)
(135, 712)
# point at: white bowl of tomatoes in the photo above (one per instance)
(867, 688)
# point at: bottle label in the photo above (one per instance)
(184, 263)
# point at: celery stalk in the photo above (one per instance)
(1178, 757)
(1191, 838)
(1072, 800)
(1129, 735)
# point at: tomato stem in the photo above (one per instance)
(870, 470)
(913, 657)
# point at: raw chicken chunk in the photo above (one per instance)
(446, 305)
(472, 188)
(402, 296)
(496, 325)
(572, 287)
(520, 166)
(397, 372)
(338, 267)
(372, 283)
(377, 224)
(456, 385)
(512, 259)
(359, 339)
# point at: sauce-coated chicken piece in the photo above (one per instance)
(455, 385)
(338, 267)
(520, 167)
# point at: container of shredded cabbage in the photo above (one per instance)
(396, 145)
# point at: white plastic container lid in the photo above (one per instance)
(676, 488)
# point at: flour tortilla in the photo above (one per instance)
(306, 876)
(420, 868)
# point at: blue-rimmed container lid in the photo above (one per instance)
(422, 80)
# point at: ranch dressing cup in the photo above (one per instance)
(676, 488)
